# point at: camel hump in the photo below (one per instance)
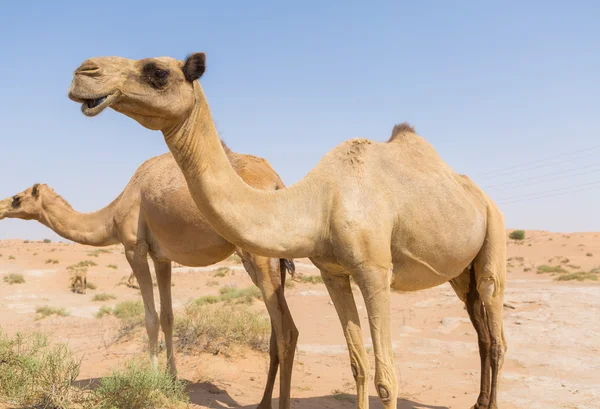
(401, 129)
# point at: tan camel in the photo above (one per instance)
(383, 213)
(79, 280)
(156, 215)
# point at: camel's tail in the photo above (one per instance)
(287, 264)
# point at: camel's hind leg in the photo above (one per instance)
(465, 288)
(340, 292)
(490, 277)
(266, 273)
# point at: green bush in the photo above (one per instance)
(104, 310)
(550, 269)
(517, 235)
(128, 310)
(47, 241)
(138, 387)
(37, 374)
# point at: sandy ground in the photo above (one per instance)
(552, 328)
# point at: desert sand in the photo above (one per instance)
(552, 329)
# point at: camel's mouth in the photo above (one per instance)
(5, 206)
(93, 106)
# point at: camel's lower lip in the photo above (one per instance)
(93, 103)
(92, 107)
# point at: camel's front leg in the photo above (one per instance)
(340, 292)
(137, 258)
(163, 279)
(374, 285)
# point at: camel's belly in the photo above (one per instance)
(415, 276)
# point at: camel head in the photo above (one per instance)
(26, 205)
(156, 92)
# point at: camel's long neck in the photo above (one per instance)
(283, 223)
(94, 229)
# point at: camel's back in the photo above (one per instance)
(406, 193)
(159, 191)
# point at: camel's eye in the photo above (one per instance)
(16, 201)
(160, 74)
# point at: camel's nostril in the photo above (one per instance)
(88, 69)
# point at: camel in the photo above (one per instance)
(79, 280)
(388, 214)
(155, 215)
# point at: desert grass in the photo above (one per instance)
(222, 272)
(37, 373)
(104, 310)
(104, 297)
(137, 386)
(52, 261)
(46, 310)
(14, 278)
(240, 295)
(550, 269)
(82, 264)
(579, 276)
(311, 279)
(217, 328)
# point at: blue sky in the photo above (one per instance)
(507, 93)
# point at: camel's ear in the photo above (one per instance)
(194, 66)
(35, 191)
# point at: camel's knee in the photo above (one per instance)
(359, 373)
(497, 351)
(152, 323)
(486, 288)
(166, 319)
(386, 385)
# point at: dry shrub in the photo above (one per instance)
(36, 373)
(217, 327)
(14, 278)
(138, 386)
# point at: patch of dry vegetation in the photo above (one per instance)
(234, 258)
(222, 272)
(14, 278)
(103, 297)
(52, 261)
(579, 276)
(137, 386)
(551, 269)
(46, 310)
(216, 328)
(97, 252)
(311, 279)
(36, 373)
